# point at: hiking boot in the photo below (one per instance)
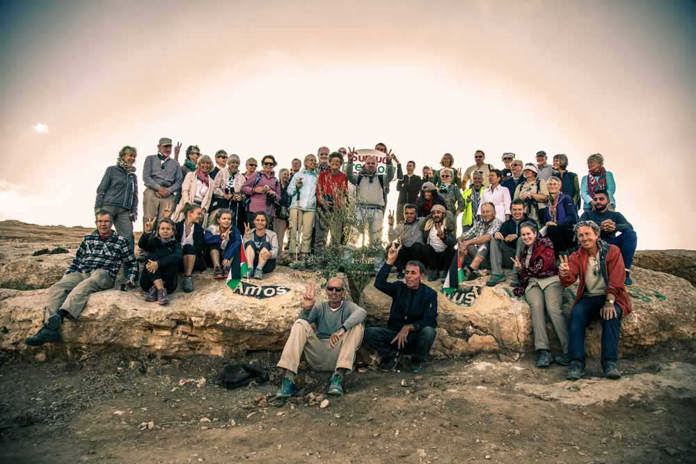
(287, 389)
(432, 275)
(218, 273)
(575, 371)
(471, 274)
(543, 359)
(151, 295)
(417, 366)
(187, 284)
(611, 370)
(335, 385)
(495, 279)
(162, 297)
(49, 333)
(628, 281)
(250, 274)
(258, 273)
(562, 359)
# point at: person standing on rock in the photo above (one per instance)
(599, 270)
(328, 334)
(94, 268)
(615, 229)
(539, 283)
(118, 193)
(412, 316)
(162, 176)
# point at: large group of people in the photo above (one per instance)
(204, 214)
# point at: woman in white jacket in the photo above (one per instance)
(302, 190)
(197, 189)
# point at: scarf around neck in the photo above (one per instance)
(122, 164)
(597, 180)
(203, 177)
(190, 164)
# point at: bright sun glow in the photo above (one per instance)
(40, 128)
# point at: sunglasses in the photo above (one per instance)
(445, 176)
(221, 156)
(334, 289)
(251, 165)
(268, 164)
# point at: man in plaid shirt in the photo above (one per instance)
(94, 268)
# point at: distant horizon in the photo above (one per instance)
(81, 79)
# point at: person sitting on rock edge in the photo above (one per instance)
(327, 333)
(260, 247)
(412, 316)
(163, 254)
(410, 234)
(94, 268)
(599, 270)
(223, 241)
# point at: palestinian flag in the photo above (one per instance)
(238, 270)
(454, 275)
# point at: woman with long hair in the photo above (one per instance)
(189, 234)
(260, 247)
(559, 217)
(163, 254)
(223, 241)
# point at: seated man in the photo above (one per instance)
(505, 244)
(94, 268)
(473, 246)
(328, 333)
(410, 234)
(615, 229)
(412, 316)
(439, 231)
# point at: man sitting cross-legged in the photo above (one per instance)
(328, 333)
(412, 316)
(93, 269)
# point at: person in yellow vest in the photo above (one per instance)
(472, 198)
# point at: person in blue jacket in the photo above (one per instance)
(223, 241)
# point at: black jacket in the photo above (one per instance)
(408, 187)
(167, 254)
(417, 307)
(198, 238)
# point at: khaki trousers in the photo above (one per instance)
(547, 302)
(154, 206)
(318, 353)
(72, 290)
(301, 222)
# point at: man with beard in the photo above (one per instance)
(615, 229)
(505, 244)
(412, 316)
(409, 233)
(439, 232)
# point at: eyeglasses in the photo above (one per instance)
(218, 156)
(266, 163)
(445, 176)
(334, 289)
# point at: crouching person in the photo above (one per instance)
(328, 333)
(412, 316)
(93, 269)
(163, 253)
(599, 269)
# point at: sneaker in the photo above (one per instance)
(417, 366)
(628, 281)
(432, 275)
(162, 297)
(49, 333)
(287, 389)
(543, 359)
(250, 274)
(562, 359)
(575, 371)
(335, 385)
(218, 273)
(187, 284)
(495, 279)
(611, 370)
(258, 273)
(151, 295)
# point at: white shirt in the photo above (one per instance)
(435, 241)
(201, 191)
(187, 239)
(500, 197)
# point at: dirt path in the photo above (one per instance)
(119, 408)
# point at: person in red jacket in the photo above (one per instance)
(599, 269)
(332, 191)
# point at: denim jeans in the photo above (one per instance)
(627, 243)
(583, 312)
(418, 343)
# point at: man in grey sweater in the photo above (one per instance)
(328, 333)
(162, 176)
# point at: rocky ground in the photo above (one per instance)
(120, 408)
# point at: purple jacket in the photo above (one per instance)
(258, 200)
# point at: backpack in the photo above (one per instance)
(385, 190)
(240, 375)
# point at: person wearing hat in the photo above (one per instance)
(545, 170)
(507, 161)
(440, 235)
(533, 192)
(472, 199)
(427, 199)
(162, 177)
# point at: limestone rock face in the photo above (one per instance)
(681, 263)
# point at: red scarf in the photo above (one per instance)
(203, 177)
(597, 180)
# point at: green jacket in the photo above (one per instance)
(468, 215)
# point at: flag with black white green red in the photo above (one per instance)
(238, 270)
(454, 276)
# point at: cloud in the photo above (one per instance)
(40, 128)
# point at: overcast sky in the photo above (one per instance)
(285, 77)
